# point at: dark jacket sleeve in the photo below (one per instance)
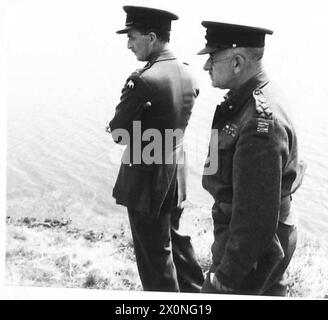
(135, 94)
(257, 174)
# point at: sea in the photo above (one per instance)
(65, 79)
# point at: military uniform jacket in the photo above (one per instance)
(160, 96)
(258, 169)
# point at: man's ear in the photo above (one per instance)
(238, 63)
(153, 36)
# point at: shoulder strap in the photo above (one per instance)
(261, 107)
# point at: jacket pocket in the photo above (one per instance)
(133, 187)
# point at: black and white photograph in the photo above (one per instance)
(164, 149)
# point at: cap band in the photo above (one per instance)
(234, 39)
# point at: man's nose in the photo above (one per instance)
(129, 44)
(207, 65)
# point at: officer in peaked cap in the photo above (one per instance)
(159, 96)
(252, 167)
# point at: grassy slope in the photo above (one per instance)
(60, 254)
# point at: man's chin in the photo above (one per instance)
(212, 80)
(216, 85)
(140, 58)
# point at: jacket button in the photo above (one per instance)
(147, 105)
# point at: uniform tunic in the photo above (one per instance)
(160, 96)
(255, 148)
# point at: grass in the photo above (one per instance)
(308, 270)
(69, 257)
(61, 253)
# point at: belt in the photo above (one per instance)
(285, 214)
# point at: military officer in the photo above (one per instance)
(159, 96)
(255, 147)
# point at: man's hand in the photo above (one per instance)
(218, 285)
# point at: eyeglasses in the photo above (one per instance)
(212, 61)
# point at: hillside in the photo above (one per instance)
(66, 253)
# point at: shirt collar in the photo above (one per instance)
(234, 100)
(164, 55)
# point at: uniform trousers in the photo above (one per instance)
(267, 279)
(165, 258)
